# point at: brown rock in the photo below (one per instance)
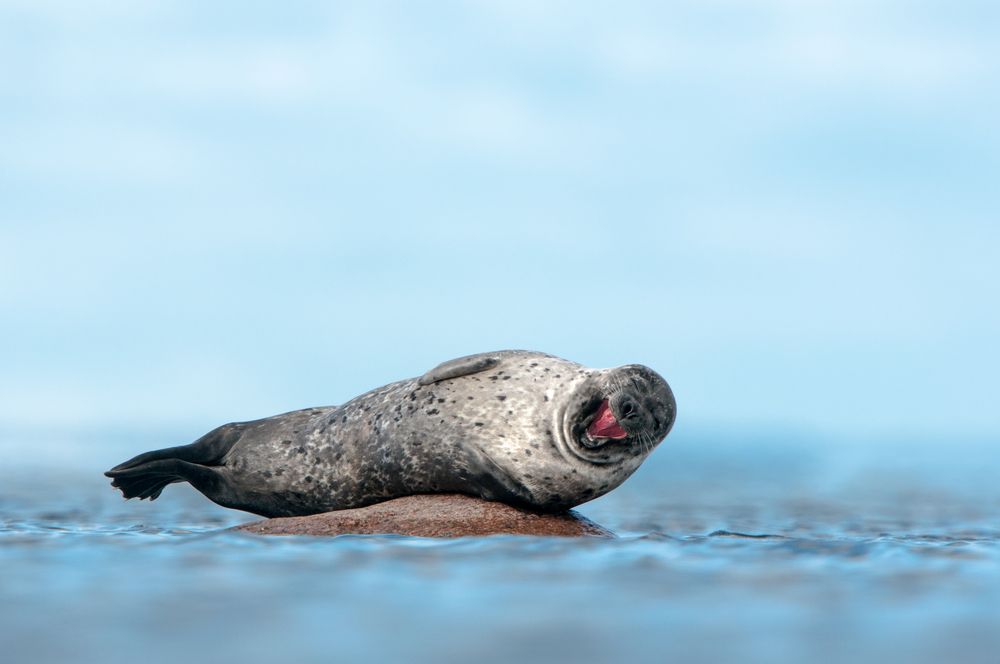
(448, 515)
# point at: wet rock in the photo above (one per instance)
(432, 516)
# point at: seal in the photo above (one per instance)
(515, 426)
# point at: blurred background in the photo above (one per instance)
(220, 211)
(215, 212)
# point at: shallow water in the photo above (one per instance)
(773, 555)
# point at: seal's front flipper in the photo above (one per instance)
(461, 366)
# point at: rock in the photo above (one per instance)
(448, 515)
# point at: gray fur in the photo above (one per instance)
(506, 426)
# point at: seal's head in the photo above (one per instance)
(619, 415)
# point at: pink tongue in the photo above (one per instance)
(605, 425)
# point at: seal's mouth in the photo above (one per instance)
(618, 415)
(605, 425)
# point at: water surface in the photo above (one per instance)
(724, 554)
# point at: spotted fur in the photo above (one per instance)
(508, 426)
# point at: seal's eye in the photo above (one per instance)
(627, 408)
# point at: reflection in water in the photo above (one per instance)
(790, 560)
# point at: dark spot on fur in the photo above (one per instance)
(301, 450)
(506, 377)
(501, 396)
(433, 411)
(309, 479)
(479, 424)
(279, 472)
(267, 473)
(344, 418)
(286, 442)
(527, 452)
(533, 364)
(469, 398)
(546, 397)
(440, 400)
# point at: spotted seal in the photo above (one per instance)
(516, 426)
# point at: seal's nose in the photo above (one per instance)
(628, 409)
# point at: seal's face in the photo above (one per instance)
(623, 413)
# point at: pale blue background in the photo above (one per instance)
(219, 211)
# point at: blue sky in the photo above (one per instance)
(219, 212)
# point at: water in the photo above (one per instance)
(727, 552)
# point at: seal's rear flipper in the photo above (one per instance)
(145, 476)
(208, 450)
(148, 479)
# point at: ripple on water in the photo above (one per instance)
(752, 580)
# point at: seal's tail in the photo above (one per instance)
(146, 475)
